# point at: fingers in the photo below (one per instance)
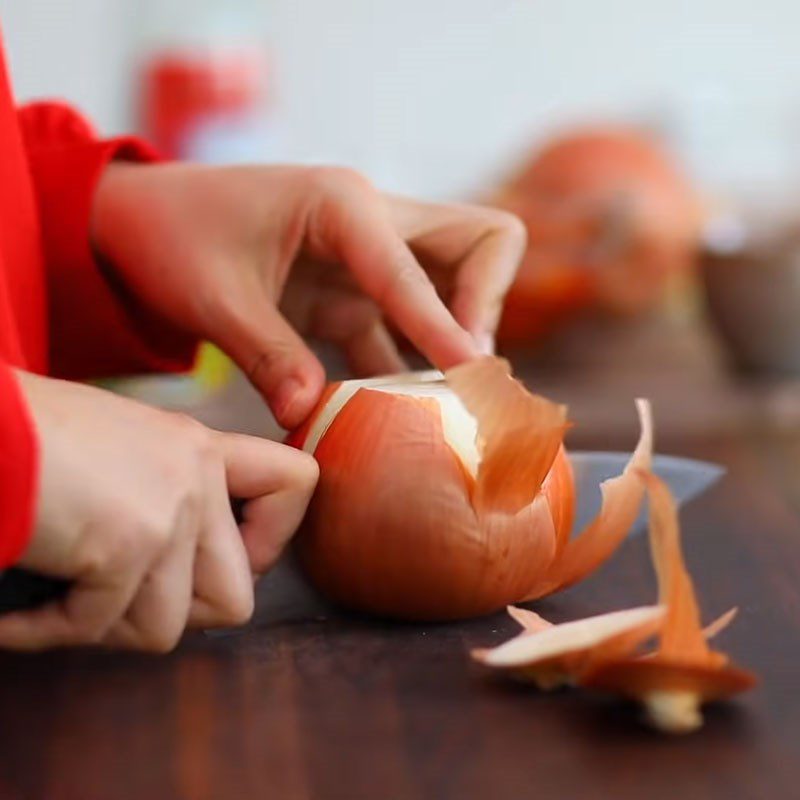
(255, 467)
(200, 573)
(204, 576)
(275, 359)
(351, 220)
(481, 249)
(157, 617)
(278, 482)
(269, 524)
(484, 277)
(223, 581)
(84, 616)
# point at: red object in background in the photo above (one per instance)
(181, 90)
(609, 219)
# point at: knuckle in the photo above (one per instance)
(340, 179)
(161, 640)
(197, 435)
(404, 278)
(95, 555)
(88, 632)
(306, 472)
(239, 607)
(272, 362)
(90, 559)
(512, 227)
(148, 532)
(186, 422)
(186, 470)
(155, 534)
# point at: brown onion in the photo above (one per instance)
(609, 219)
(450, 497)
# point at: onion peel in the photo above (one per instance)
(684, 672)
(519, 433)
(530, 621)
(715, 628)
(621, 500)
(552, 656)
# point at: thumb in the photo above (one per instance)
(277, 481)
(276, 361)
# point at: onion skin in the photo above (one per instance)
(683, 672)
(557, 655)
(559, 489)
(406, 523)
(671, 683)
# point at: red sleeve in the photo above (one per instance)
(96, 330)
(18, 469)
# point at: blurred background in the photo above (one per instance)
(651, 148)
(440, 97)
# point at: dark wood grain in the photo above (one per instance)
(344, 708)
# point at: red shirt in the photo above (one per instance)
(61, 313)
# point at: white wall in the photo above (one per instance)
(78, 49)
(437, 95)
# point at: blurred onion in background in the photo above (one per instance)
(610, 219)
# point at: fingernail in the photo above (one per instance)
(485, 343)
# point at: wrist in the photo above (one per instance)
(105, 203)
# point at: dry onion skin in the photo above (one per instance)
(446, 497)
(552, 656)
(674, 682)
(573, 649)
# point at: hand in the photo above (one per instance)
(134, 510)
(252, 258)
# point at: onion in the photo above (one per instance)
(449, 497)
(609, 219)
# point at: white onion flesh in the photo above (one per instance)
(460, 428)
(569, 637)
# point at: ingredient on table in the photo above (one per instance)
(450, 497)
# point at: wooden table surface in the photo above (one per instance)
(339, 708)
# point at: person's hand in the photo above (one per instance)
(252, 258)
(134, 510)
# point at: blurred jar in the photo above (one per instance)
(743, 154)
(751, 275)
